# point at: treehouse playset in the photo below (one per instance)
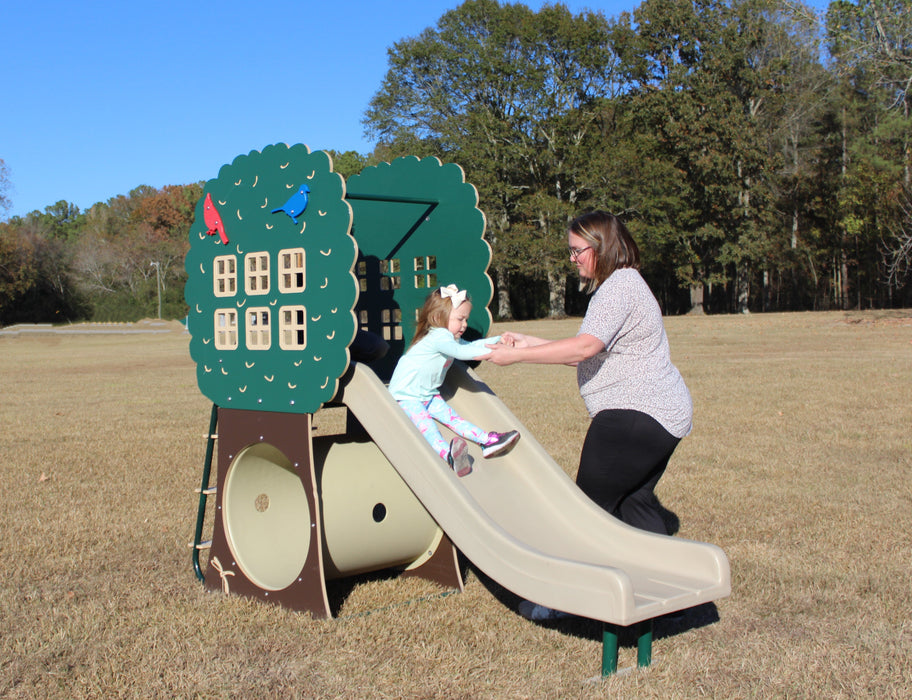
(282, 296)
(303, 291)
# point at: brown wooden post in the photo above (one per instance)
(290, 434)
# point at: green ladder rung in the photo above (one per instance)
(204, 490)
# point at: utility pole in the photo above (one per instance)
(157, 267)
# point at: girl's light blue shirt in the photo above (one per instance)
(421, 370)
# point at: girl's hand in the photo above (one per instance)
(514, 340)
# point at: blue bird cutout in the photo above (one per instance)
(296, 204)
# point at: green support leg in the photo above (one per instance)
(644, 643)
(609, 649)
(610, 646)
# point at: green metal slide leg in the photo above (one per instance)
(609, 649)
(610, 646)
(644, 643)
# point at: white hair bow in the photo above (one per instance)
(453, 292)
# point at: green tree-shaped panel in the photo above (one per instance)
(418, 227)
(271, 310)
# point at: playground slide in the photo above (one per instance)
(522, 521)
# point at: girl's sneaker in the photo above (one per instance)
(499, 443)
(458, 458)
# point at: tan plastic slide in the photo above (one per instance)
(522, 521)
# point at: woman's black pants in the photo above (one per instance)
(624, 456)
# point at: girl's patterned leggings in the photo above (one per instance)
(423, 415)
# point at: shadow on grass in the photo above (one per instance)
(339, 590)
(584, 628)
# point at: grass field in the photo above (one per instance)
(799, 467)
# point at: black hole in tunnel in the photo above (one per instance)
(379, 512)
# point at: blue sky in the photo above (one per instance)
(100, 97)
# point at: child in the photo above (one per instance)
(416, 381)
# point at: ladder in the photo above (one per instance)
(204, 492)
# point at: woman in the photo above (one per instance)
(637, 399)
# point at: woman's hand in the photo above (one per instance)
(503, 353)
(567, 351)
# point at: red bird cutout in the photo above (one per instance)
(213, 219)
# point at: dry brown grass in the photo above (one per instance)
(799, 467)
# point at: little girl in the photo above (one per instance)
(416, 381)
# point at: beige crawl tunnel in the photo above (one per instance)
(295, 512)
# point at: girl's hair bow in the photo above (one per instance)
(453, 292)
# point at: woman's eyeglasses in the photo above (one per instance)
(576, 252)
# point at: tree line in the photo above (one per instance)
(110, 263)
(759, 152)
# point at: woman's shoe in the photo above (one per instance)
(539, 613)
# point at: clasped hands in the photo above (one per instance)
(503, 353)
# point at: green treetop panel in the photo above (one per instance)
(270, 284)
(418, 227)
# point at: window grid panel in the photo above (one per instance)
(291, 270)
(258, 327)
(224, 277)
(427, 266)
(226, 329)
(293, 328)
(390, 275)
(256, 276)
(391, 324)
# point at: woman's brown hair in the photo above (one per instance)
(611, 242)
